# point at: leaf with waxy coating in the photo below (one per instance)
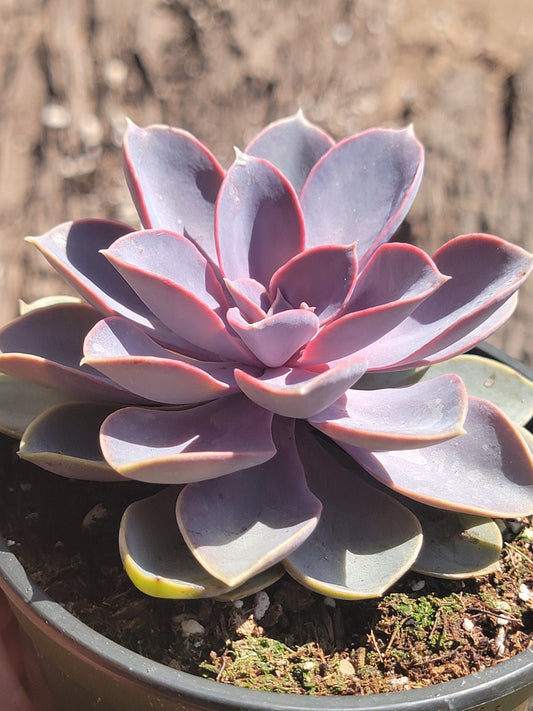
(365, 539)
(64, 440)
(246, 522)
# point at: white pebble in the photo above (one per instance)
(91, 130)
(55, 116)
(262, 603)
(468, 625)
(115, 73)
(190, 627)
(329, 602)
(524, 593)
(502, 621)
(308, 666)
(418, 585)
(238, 604)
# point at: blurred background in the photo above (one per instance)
(72, 70)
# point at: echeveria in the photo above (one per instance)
(259, 319)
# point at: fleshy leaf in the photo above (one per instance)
(74, 250)
(488, 471)
(32, 400)
(253, 585)
(129, 357)
(176, 447)
(259, 224)
(297, 392)
(246, 522)
(180, 286)
(250, 297)
(293, 145)
(322, 278)
(456, 545)
(174, 181)
(361, 190)
(44, 347)
(487, 378)
(365, 539)
(274, 339)
(64, 440)
(398, 418)
(25, 307)
(156, 557)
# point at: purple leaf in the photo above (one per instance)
(488, 471)
(297, 392)
(485, 272)
(64, 440)
(180, 446)
(245, 522)
(397, 418)
(45, 347)
(74, 250)
(293, 145)
(259, 224)
(174, 181)
(322, 278)
(275, 338)
(364, 541)
(250, 297)
(361, 190)
(180, 287)
(132, 359)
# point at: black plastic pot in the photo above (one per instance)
(74, 667)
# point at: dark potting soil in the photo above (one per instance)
(424, 631)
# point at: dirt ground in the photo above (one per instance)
(72, 70)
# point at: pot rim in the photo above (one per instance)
(52, 619)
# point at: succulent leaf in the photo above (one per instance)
(259, 223)
(488, 379)
(365, 539)
(456, 545)
(174, 181)
(134, 361)
(64, 440)
(487, 471)
(297, 392)
(361, 190)
(293, 145)
(246, 522)
(409, 417)
(181, 446)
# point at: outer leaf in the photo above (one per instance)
(297, 392)
(487, 378)
(132, 359)
(44, 347)
(246, 522)
(155, 555)
(180, 287)
(64, 440)
(361, 190)
(174, 181)
(456, 545)
(74, 250)
(293, 145)
(259, 224)
(175, 447)
(365, 540)
(488, 471)
(276, 338)
(32, 400)
(322, 278)
(253, 585)
(398, 418)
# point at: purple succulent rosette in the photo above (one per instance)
(260, 319)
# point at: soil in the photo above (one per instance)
(286, 639)
(70, 72)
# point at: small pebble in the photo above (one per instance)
(91, 130)
(115, 73)
(468, 625)
(524, 593)
(262, 603)
(346, 668)
(329, 602)
(55, 116)
(502, 621)
(191, 627)
(499, 642)
(238, 604)
(308, 666)
(418, 585)
(528, 533)
(342, 34)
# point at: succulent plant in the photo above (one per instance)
(291, 377)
